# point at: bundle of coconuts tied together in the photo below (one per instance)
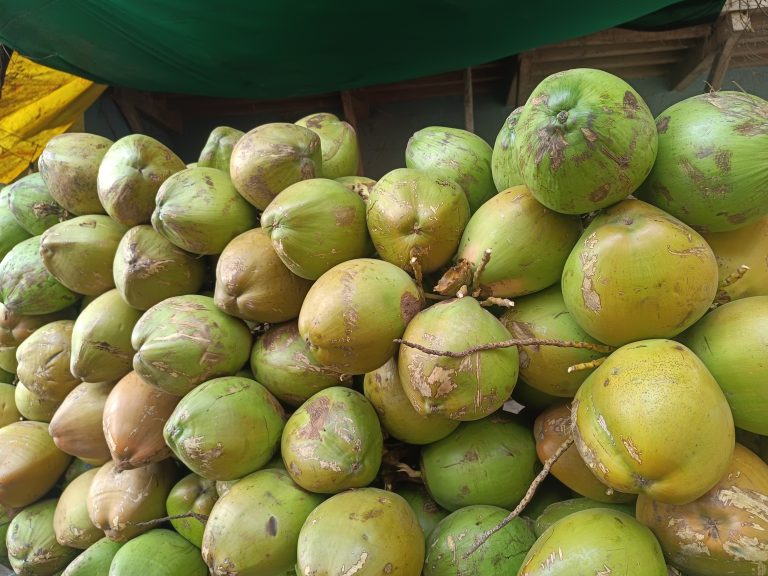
(265, 364)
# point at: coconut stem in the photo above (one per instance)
(408, 471)
(415, 263)
(508, 344)
(480, 269)
(494, 301)
(722, 296)
(586, 365)
(526, 499)
(430, 296)
(202, 518)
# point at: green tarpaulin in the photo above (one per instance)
(283, 48)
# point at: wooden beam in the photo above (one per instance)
(350, 115)
(524, 83)
(129, 112)
(701, 57)
(469, 102)
(154, 106)
(621, 36)
(721, 63)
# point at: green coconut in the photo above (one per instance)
(369, 531)
(32, 205)
(746, 246)
(121, 503)
(31, 463)
(199, 210)
(15, 328)
(504, 158)
(638, 273)
(69, 165)
(453, 538)
(76, 426)
(11, 233)
(428, 512)
(732, 342)
(333, 442)
(282, 362)
(338, 144)
(148, 268)
(316, 224)
(159, 552)
(271, 157)
(361, 185)
(467, 388)
(75, 469)
(491, 461)
(397, 416)
(594, 541)
(185, 340)
(44, 361)
(627, 420)
(252, 282)
(544, 315)
(559, 510)
(79, 252)
(101, 339)
(191, 494)
(71, 523)
(8, 361)
(32, 546)
(529, 243)
(6, 515)
(456, 154)
(344, 331)
(416, 213)
(8, 411)
(218, 148)
(585, 140)
(225, 428)
(709, 171)
(130, 175)
(95, 561)
(33, 407)
(26, 286)
(254, 528)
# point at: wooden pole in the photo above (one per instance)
(469, 105)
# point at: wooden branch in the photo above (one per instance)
(701, 57)
(350, 107)
(721, 63)
(469, 102)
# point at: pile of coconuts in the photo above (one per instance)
(548, 357)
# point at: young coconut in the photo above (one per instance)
(69, 165)
(529, 243)
(344, 331)
(504, 167)
(33, 407)
(6, 515)
(185, 340)
(710, 172)
(218, 148)
(638, 273)
(122, 503)
(732, 341)
(225, 428)
(282, 362)
(372, 530)
(360, 185)
(132, 171)
(451, 539)
(159, 552)
(723, 532)
(80, 252)
(428, 512)
(32, 205)
(133, 418)
(338, 144)
(416, 212)
(26, 286)
(31, 463)
(270, 158)
(44, 359)
(31, 541)
(8, 411)
(95, 561)
(11, 233)
(456, 154)
(627, 423)
(333, 442)
(76, 425)
(199, 210)
(585, 140)
(191, 495)
(594, 541)
(491, 461)
(148, 268)
(101, 339)
(253, 284)
(453, 387)
(15, 328)
(8, 361)
(559, 510)
(254, 528)
(71, 523)
(316, 224)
